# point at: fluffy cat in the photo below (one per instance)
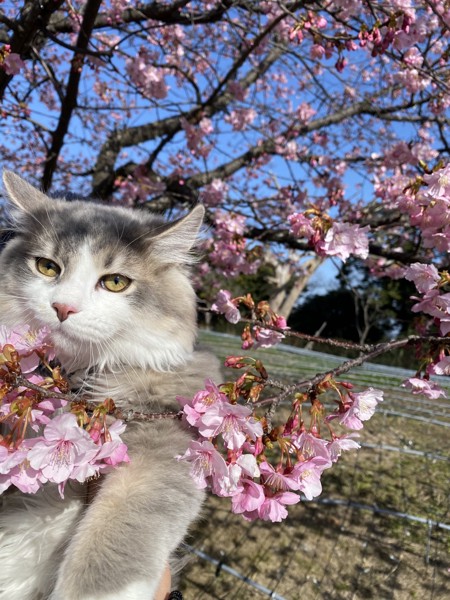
(112, 286)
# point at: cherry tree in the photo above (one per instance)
(307, 129)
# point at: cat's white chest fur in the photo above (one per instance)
(33, 531)
(139, 590)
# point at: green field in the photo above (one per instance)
(381, 528)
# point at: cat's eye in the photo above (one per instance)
(47, 267)
(115, 282)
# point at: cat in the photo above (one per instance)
(112, 286)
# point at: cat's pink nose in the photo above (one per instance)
(63, 310)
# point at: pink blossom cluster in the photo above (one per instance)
(117, 8)
(402, 35)
(229, 455)
(139, 187)
(262, 337)
(341, 239)
(431, 211)
(436, 303)
(195, 136)
(10, 62)
(227, 306)
(214, 193)
(44, 443)
(354, 408)
(148, 78)
(428, 207)
(423, 385)
(259, 336)
(398, 32)
(241, 118)
(228, 250)
(433, 302)
(401, 31)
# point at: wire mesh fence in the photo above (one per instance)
(381, 528)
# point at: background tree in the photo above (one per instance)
(364, 308)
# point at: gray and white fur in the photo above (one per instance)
(136, 346)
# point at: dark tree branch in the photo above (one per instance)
(282, 236)
(104, 172)
(70, 100)
(33, 17)
(168, 14)
(171, 14)
(117, 413)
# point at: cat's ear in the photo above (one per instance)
(22, 195)
(176, 241)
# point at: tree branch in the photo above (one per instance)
(377, 350)
(70, 100)
(170, 14)
(104, 172)
(33, 17)
(117, 413)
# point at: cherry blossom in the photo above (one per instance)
(249, 499)
(437, 305)
(311, 446)
(214, 193)
(424, 386)
(301, 226)
(276, 479)
(228, 250)
(10, 462)
(345, 239)
(361, 408)
(113, 451)
(13, 64)
(27, 343)
(425, 277)
(438, 184)
(343, 442)
(42, 445)
(308, 474)
(64, 447)
(225, 306)
(274, 507)
(266, 338)
(240, 470)
(206, 462)
(21, 475)
(148, 78)
(442, 367)
(356, 408)
(233, 421)
(240, 118)
(201, 402)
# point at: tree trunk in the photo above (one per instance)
(289, 288)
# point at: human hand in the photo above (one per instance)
(163, 592)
